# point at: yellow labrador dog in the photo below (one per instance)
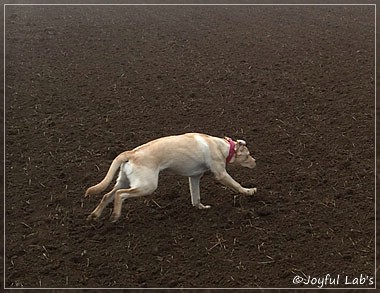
(190, 155)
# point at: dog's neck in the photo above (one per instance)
(231, 152)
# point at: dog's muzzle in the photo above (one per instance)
(251, 163)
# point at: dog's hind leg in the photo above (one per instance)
(122, 182)
(123, 194)
(107, 198)
(195, 192)
(138, 188)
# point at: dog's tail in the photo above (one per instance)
(116, 163)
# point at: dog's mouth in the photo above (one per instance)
(251, 164)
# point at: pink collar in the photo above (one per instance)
(231, 152)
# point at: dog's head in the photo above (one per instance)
(242, 155)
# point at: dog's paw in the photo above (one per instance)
(251, 191)
(92, 217)
(201, 206)
(114, 218)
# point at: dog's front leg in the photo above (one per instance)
(228, 181)
(195, 192)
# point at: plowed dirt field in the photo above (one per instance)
(84, 83)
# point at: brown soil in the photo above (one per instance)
(84, 83)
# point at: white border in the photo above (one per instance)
(186, 4)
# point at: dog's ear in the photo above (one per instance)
(240, 144)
